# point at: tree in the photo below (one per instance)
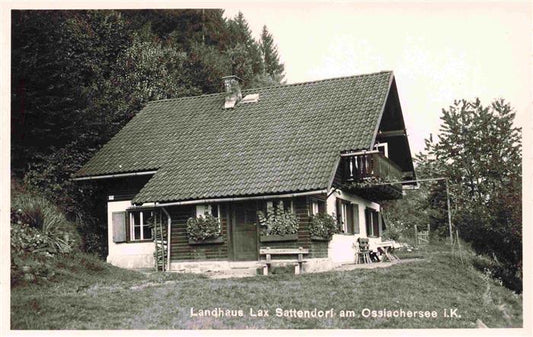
(269, 51)
(57, 57)
(79, 76)
(479, 150)
(244, 51)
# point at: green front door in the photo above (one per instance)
(244, 228)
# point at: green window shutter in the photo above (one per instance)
(376, 220)
(338, 211)
(355, 208)
(368, 221)
(349, 218)
(119, 226)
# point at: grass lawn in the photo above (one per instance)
(110, 298)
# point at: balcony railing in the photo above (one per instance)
(369, 173)
(373, 165)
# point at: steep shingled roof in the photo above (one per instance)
(289, 141)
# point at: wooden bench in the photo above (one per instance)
(268, 252)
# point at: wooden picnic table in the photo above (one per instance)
(386, 248)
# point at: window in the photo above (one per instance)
(314, 208)
(372, 222)
(287, 205)
(317, 206)
(211, 209)
(139, 225)
(348, 216)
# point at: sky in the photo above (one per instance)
(439, 52)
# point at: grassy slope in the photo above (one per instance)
(94, 295)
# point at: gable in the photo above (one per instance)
(288, 141)
(393, 132)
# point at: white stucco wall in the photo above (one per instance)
(127, 254)
(342, 247)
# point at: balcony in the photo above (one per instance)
(368, 174)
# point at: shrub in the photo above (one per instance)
(39, 233)
(36, 212)
(277, 221)
(202, 228)
(323, 225)
(507, 275)
(393, 231)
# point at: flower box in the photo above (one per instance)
(319, 238)
(276, 238)
(220, 239)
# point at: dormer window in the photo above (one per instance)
(251, 98)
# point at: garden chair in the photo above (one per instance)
(363, 252)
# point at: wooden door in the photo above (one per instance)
(244, 216)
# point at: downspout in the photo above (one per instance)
(169, 236)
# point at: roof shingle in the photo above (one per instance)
(288, 141)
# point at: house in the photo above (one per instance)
(327, 146)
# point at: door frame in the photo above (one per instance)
(231, 227)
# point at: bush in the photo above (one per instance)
(323, 225)
(56, 234)
(39, 233)
(393, 232)
(277, 221)
(507, 275)
(202, 228)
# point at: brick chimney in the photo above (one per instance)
(233, 91)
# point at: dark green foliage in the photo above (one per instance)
(79, 76)
(244, 51)
(277, 221)
(479, 150)
(39, 233)
(323, 225)
(34, 214)
(273, 67)
(203, 227)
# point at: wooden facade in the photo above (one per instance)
(240, 232)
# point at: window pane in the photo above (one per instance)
(147, 233)
(137, 232)
(136, 223)
(321, 207)
(147, 217)
(136, 218)
(214, 210)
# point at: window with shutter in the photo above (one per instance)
(376, 223)
(368, 221)
(349, 217)
(372, 222)
(355, 208)
(338, 212)
(140, 225)
(119, 226)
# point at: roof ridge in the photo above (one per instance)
(276, 86)
(184, 97)
(331, 79)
